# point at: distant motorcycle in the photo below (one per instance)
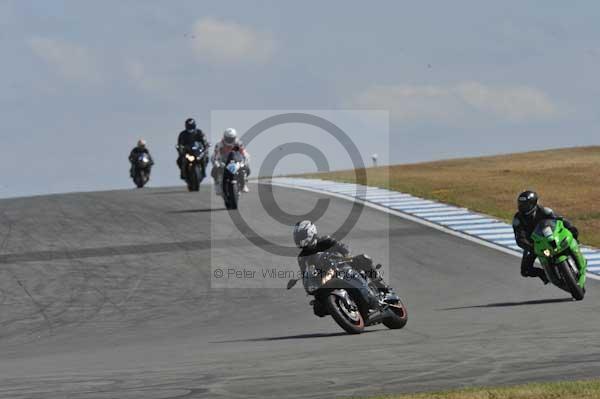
(141, 173)
(560, 256)
(194, 164)
(343, 288)
(234, 178)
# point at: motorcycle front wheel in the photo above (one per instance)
(230, 195)
(570, 273)
(346, 315)
(193, 178)
(139, 179)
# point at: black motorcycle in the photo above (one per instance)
(194, 164)
(141, 172)
(234, 178)
(350, 290)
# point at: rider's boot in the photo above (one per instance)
(537, 272)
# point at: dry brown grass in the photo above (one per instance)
(568, 180)
(554, 390)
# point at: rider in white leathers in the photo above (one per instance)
(219, 157)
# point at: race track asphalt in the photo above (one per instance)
(110, 295)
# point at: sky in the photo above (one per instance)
(81, 81)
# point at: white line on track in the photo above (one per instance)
(443, 213)
(496, 236)
(449, 218)
(458, 224)
(371, 197)
(404, 202)
(426, 207)
(484, 231)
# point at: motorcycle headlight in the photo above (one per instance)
(190, 158)
(547, 252)
(328, 276)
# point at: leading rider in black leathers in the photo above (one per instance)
(187, 138)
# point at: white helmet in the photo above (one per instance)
(229, 136)
(141, 143)
(305, 233)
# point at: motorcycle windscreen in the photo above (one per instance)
(546, 229)
(233, 167)
(197, 147)
(143, 160)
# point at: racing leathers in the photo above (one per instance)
(523, 227)
(133, 156)
(187, 138)
(219, 159)
(310, 254)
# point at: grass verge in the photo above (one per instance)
(567, 180)
(588, 389)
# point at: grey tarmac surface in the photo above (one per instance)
(108, 295)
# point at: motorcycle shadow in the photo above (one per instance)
(290, 337)
(174, 190)
(512, 304)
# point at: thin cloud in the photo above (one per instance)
(514, 103)
(460, 102)
(70, 61)
(219, 41)
(144, 80)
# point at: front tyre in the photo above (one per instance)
(569, 273)
(346, 315)
(399, 316)
(230, 194)
(193, 178)
(139, 179)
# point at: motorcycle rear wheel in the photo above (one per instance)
(399, 318)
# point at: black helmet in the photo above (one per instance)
(190, 124)
(527, 202)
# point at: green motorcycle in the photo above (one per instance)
(560, 256)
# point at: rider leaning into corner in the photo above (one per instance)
(138, 150)
(230, 142)
(312, 246)
(529, 214)
(187, 138)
